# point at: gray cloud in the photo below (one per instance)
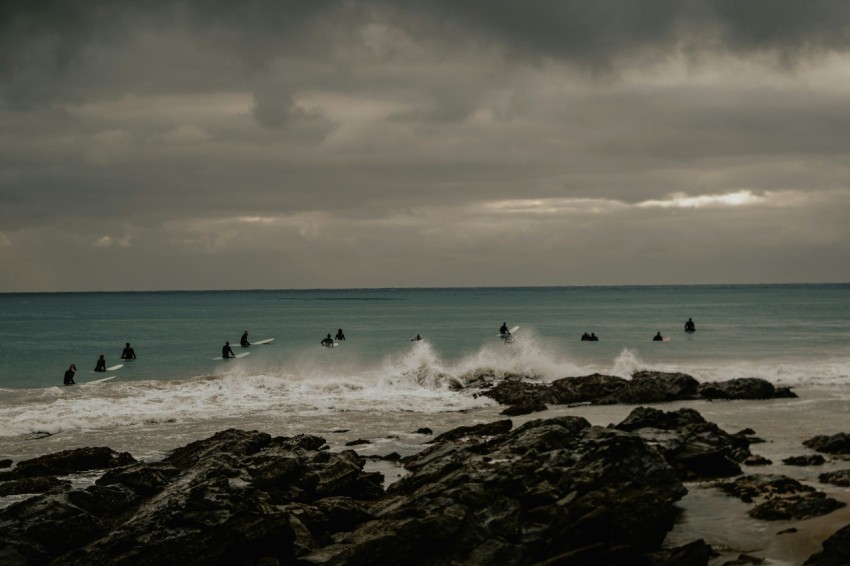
(298, 140)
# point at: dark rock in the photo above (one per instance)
(71, 461)
(757, 460)
(838, 477)
(143, 479)
(588, 388)
(233, 441)
(743, 560)
(697, 553)
(6, 463)
(790, 531)
(796, 507)
(697, 449)
(835, 444)
(520, 393)
(807, 460)
(786, 498)
(836, 550)
(516, 410)
(424, 430)
(38, 484)
(486, 429)
(742, 388)
(655, 387)
(340, 430)
(358, 442)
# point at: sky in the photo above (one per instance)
(340, 144)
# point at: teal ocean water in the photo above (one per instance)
(794, 335)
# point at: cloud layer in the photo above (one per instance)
(191, 144)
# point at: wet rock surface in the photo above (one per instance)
(838, 477)
(834, 444)
(836, 550)
(779, 497)
(643, 387)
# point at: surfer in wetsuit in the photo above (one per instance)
(69, 375)
(327, 342)
(101, 364)
(244, 340)
(227, 351)
(503, 330)
(593, 337)
(690, 326)
(657, 338)
(585, 337)
(128, 353)
(417, 338)
(340, 335)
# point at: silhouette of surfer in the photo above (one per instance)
(327, 342)
(340, 335)
(593, 337)
(503, 330)
(69, 375)
(244, 340)
(128, 353)
(417, 338)
(690, 326)
(657, 338)
(227, 351)
(585, 337)
(101, 364)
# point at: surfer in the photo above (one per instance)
(128, 353)
(69, 375)
(593, 337)
(101, 364)
(244, 340)
(340, 335)
(227, 351)
(585, 337)
(327, 342)
(503, 330)
(417, 338)
(657, 338)
(690, 326)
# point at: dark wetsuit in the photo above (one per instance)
(244, 340)
(227, 352)
(690, 326)
(69, 377)
(340, 335)
(593, 337)
(327, 342)
(504, 329)
(128, 354)
(101, 365)
(657, 338)
(585, 337)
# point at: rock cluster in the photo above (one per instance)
(781, 498)
(643, 387)
(834, 444)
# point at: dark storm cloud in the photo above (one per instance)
(412, 143)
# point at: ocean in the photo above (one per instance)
(380, 386)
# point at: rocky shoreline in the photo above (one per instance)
(549, 491)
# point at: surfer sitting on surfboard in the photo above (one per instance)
(101, 364)
(657, 338)
(503, 330)
(128, 353)
(327, 342)
(227, 351)
(340, 335)
(690, 326)
(69, 375)
(244, 340)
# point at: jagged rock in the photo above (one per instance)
(835, 444)
(838, 477)
(6, 463)
(697, 449)
(757, 460)
(786, 498)
(548, 490)
(38, 484)
(520, 393)
(516, 410)
(70, 461)
(424, 430)
(486, 429)
(807, 460)
(586, 388)
(655, 387)
(743, 560)
(836, 550)
(358, 442)
(743, 388)
(796, 507)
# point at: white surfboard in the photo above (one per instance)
(101, 380)
(334, 345)
(241, 355)
(115, 367)
(266, 341)
(510, 331)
